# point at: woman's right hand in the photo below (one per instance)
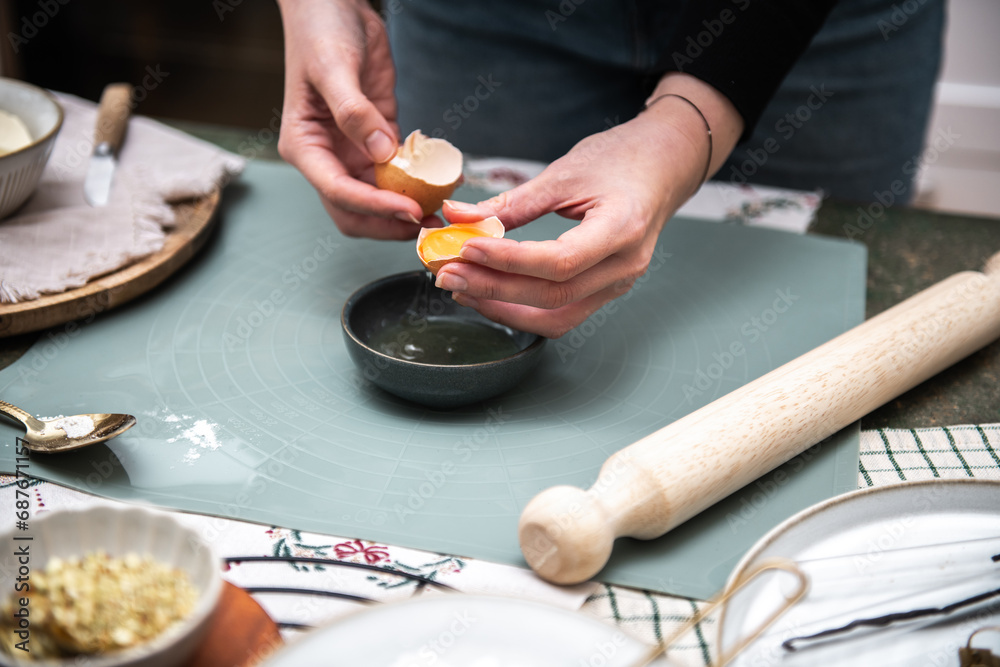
(339, 114)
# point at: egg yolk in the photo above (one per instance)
(447, 241)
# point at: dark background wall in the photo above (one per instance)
(214, 61)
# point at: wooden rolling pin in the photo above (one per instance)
(663, 480)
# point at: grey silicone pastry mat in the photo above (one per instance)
(250, 408)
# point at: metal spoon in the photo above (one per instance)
(52, 435)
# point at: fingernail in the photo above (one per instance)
(380, 146)
(465, 300)
(407, 217)
(460, 205)
(450, 282)
(474, 255)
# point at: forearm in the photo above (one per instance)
(339, 113)
(327, 28)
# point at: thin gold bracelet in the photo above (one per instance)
(708, 165)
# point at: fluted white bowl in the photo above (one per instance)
(119, 531)
(21, 170)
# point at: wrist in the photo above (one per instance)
(708, 128)
(700, 104)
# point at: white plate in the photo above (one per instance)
(455, 630)
(869, 576)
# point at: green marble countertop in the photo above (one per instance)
(909, 250)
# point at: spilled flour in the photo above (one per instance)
(76, 426)
(202, 434)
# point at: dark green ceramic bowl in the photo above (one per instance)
(383, 305)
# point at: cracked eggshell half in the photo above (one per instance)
(424, 169)
(437, 246)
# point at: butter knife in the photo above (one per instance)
(112, 119)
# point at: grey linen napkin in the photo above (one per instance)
(56, 241)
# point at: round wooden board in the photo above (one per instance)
(195, 220)
(241, 635)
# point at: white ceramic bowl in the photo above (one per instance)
(119, 531)
(21, 169)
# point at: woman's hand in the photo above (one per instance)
(339, 115)
(622, 184)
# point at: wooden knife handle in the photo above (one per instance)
(657, 483)
(112, 116)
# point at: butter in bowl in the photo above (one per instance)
(14, 133)
(30, 120)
